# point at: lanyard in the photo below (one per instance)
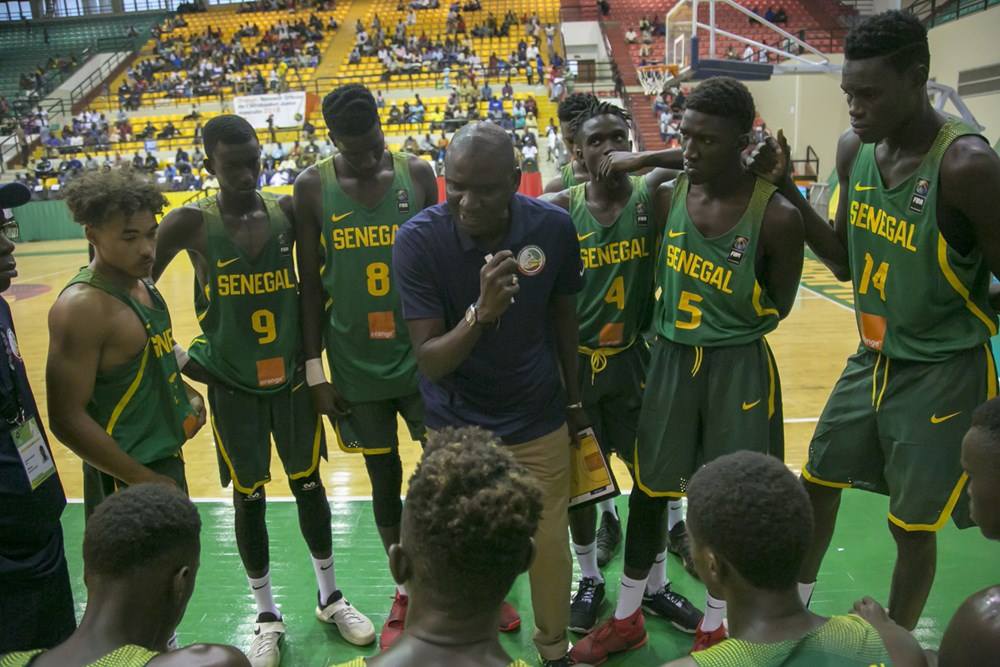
(11, 409)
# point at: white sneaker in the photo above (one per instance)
(265, 648)
(353, 625)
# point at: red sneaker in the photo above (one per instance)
(395, 622)
(704, 640)
(612, 636)
(510, 620)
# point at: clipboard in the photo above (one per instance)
(591, 478)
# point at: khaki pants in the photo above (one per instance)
(547, 459)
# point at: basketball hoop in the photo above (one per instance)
(653, 78)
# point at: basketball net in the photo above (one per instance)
(653, 78)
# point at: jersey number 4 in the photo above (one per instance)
(616, 293)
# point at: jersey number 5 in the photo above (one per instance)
(686, 305)
(262, 322)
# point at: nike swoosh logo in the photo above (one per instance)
(750, 406)
(864, 188)
(937, 420)
(257, 588)
(581, 237)
(224, 263)
(672, 234)
(338, 218)
(326, 568)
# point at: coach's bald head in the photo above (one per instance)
(481, 176)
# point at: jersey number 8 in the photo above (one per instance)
(378, 278)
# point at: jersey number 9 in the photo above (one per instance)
(262, 322)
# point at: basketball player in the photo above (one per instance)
(728, 272)
(617, 227)
(749, 555)
(917, 234)
(115, 392)
(347, 210)
(574, 171)
(240, 243)
(459, 565)
(140, 560)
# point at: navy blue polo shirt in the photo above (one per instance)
(510, 384)
(31, 543)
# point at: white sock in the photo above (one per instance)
(658, 574)
(608, 506)
(586, 555)
(326, 577)
(806, 591)
(401, 589)
(629, 596)
(675, 513)
(715, 611)
(263, 596)
(172, 642)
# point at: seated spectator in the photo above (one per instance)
(749, 555)
(769, 14)
(151, 162)
(507, 92)
(411, 146)
(630, 36)
(495, 108)
(780, 16)
(140, 560)
(137, 162)
(747, 54)
(427, 145)
(395, 117)
(197, 158)
(458, 566)
(181, 157)
(731, 54)
(148, 132)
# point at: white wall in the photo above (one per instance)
(584, 40)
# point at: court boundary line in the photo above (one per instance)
(828, 298)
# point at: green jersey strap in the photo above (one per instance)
(568, 176)
(249, 307)
(915, 296)
(367, 342)
(129, 655)
(843, 641)
(142, 404)
(707, 291)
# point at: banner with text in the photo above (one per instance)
(288, 109)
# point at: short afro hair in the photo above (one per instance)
(140, 527)
(987, 419)
(229, 129)
(726, 97)
(751, 510)
(470, 513)
(98, 196)
(899, 36)
(350, 111)
(593, 110)
(573, 105)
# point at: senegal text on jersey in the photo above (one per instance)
(878, 222)
(163, 342)
(614, 253)
(699, 268)
(349, 238)
(235, 284)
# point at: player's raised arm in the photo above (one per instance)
(76, 337)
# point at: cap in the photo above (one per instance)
(14, 194)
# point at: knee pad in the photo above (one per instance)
(386, 474)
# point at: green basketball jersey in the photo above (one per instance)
(843, 641)
(707, 292)
(615, 303)
(568, 177)
(129, 655)
(367, 343)
(142, 404)
(915, 297)
(249, 308)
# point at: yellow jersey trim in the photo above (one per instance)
(823, 482)
(957, 285)
(130, 392)
(758, 308)
(942, 518)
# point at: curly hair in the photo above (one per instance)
(573, 105)
(350, 110)
(139, 527)
(229, 129)
(987, 418)
(726, 97)
(96, 197)
(469, 516)
(593, 110)
(751, 510)
(899, 36)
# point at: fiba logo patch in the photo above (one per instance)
(283, 245)
(738, 249)
(641, 217)
(531, 260)
(919, 197)
(402, 201)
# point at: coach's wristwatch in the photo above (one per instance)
(472, 315)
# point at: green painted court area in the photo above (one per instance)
(858, 563)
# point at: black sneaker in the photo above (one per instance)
(679, 545)
(565, 661)
(609, 537)
(586, 605)
(674, 607)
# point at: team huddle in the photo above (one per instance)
(675, 265)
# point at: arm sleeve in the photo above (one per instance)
(413, 265)
(570, 278)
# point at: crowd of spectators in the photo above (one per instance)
(644, 32)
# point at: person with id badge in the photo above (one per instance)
(36, 601)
